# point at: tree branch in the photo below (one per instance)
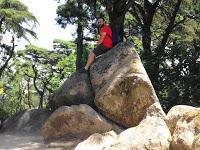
(10, 53)
(125, 6)
(155, 5)
(170, 26)
(1, 22)
(34, 79)
(176, 24)
(134, 13)
(141, 10)
(89, 39)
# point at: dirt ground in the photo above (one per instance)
(33, 142)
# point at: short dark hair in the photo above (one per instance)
(101, 17)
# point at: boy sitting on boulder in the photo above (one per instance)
(103, 45)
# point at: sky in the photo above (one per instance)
(45, 12)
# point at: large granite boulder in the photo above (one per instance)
(74, 91)
(26, 121)
(186, 135)
(97, 141)
(155, 110)
(123, 90)
(75, 121)
(152, 133)
(175, 113)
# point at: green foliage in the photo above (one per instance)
(67, 64)
(15, 15)
(12, 100)
(69, 13)
(63, 47)
(48, 67)
(1, 88)
(87, 49)
(179, 76)
(174, 68)
(15, 21)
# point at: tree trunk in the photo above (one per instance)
(19, 98)
(79, 41)
(10, 50)
(79, 46)
(117, 23)
(144, 15)
(41, 100)
(28, 94)
(1, 23)
(116, 11)
(41, 93)
(160, 50)
(146, 39)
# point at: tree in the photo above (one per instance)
(41, 69)
(14, 97)
(7, 53)
(169, 32)
(74, 12)
(47, 68)
(14, 16)
(156, 35)
(117, 10)
(179, 73)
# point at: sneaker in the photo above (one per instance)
(82, 70)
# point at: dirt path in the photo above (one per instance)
(32, 142)
(19, 142)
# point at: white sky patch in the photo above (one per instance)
(47, 30)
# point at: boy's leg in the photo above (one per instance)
(90, 60)
(100, 49)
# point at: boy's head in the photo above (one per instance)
(101, 21)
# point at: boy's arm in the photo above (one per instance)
(102, 37)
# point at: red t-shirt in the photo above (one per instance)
(108, 39)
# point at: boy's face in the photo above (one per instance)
(100, 22)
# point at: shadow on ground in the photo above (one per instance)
(31, 142)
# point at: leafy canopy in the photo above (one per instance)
(15, 18)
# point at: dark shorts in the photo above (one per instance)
(100, 49)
